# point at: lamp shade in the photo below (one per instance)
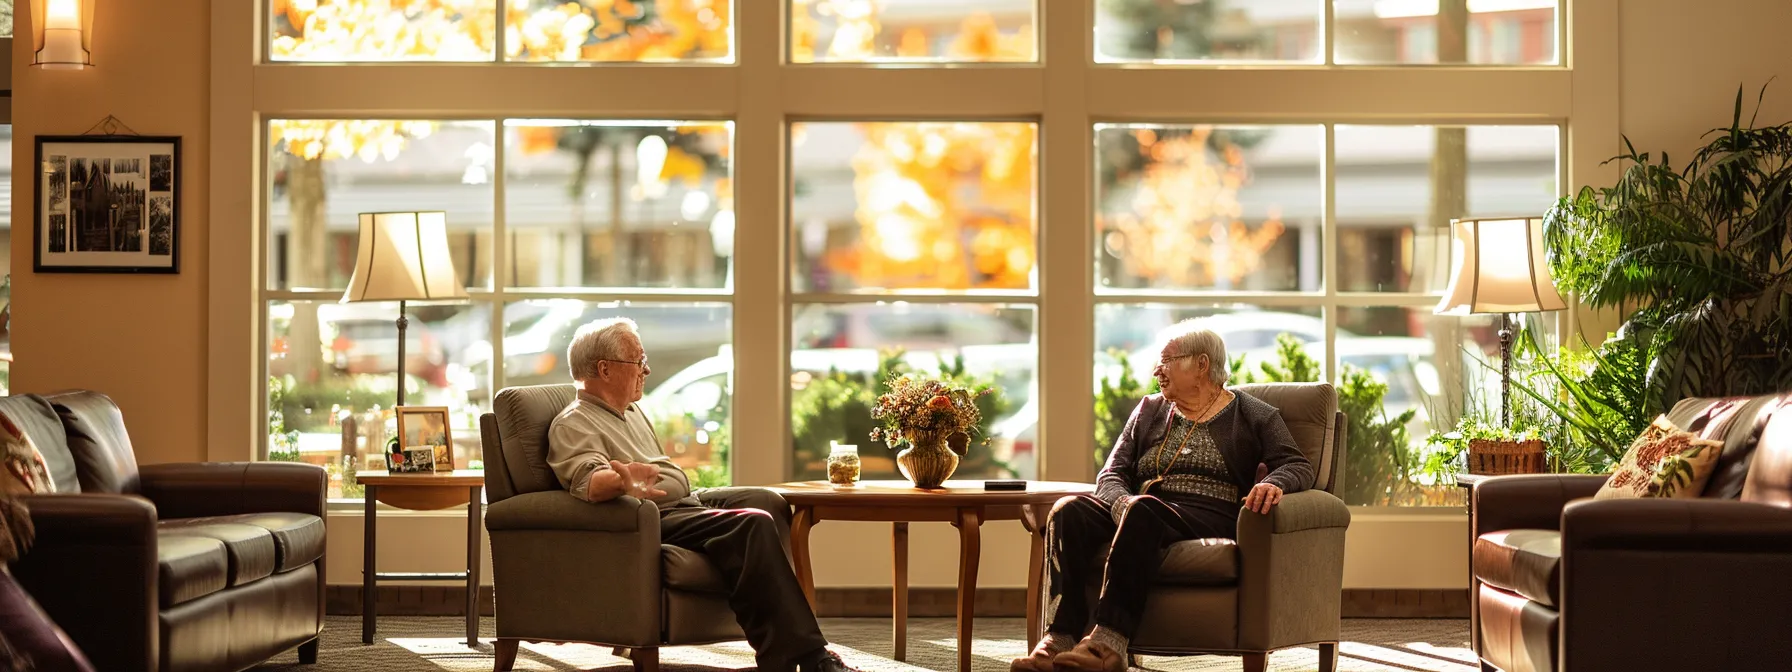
(1498, 266)
(62, 34)
(403, 256)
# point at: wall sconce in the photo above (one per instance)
(62, 34)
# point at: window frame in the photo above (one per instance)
(1066, 92)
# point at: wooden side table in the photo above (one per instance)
(965, 504)
(421, 492)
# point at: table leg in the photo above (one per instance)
(800, 522)
(970, 550)
(899, 590)
(474, 495)
(1035, 522)
(369, 584)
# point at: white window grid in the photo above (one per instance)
(1065, 92)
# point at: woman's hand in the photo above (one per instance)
(1263, 497)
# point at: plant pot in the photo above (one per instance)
(1493, 457)
(927, 461)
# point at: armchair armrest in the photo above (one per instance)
(557, 510)
(195, 489)
(1304, 510)
(93, 569)
(1528, 501)
(1291, 571)
(1669, 525)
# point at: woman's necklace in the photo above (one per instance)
(1181, 446)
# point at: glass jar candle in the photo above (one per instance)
(843, 465)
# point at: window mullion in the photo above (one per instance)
(500, 243)
(761, 414)
(1329, 247)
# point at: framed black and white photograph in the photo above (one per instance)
(107, 204)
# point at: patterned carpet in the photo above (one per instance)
(418, 643)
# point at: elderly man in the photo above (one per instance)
(602, 447)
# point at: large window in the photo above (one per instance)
(798, 199)
(534, 30)
(613, 206)
(912, 31)
(1198, 213)
(894, 225)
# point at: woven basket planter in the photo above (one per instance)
(1494, 457)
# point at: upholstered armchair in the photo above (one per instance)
(1280, 584)
(566, 570)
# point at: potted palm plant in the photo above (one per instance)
(1697, 257)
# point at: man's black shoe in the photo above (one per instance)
(828, 661)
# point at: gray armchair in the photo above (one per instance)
(1280, 584)
(566, 570)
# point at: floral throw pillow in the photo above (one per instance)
(1665, 461)
(25, 471)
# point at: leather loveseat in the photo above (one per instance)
(210, 567)
(1565, 582)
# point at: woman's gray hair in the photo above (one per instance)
(596, 342)
(1193, 339)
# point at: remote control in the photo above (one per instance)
(1004, 485)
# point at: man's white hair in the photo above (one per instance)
(595, 342)
(1193, 339)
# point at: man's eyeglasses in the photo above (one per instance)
(642, 363)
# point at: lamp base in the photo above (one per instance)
(1506, 369)
(402, 323)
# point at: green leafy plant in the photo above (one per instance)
(718, 473)
(1448, 449)
(1380, 462)
(1379, 459)
(1114, 401)
(837, 405)
(1598, 394)
(1698, 256)
(283, 443)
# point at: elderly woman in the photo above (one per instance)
(1186, 462)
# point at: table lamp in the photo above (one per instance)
(1497, 265)
(403, 256)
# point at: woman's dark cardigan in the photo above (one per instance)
(1255, 435)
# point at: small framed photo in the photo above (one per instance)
(107, 204)
(425, 428)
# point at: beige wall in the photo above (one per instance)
(1682, 62)
(140, 339)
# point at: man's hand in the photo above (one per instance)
(1263, 497)
(639, 479)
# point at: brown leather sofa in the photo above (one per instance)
(1564, 582)
(657, 595)
(208, 567)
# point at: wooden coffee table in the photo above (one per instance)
(964, 504)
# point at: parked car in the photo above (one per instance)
(362, 339)
(538, 333)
